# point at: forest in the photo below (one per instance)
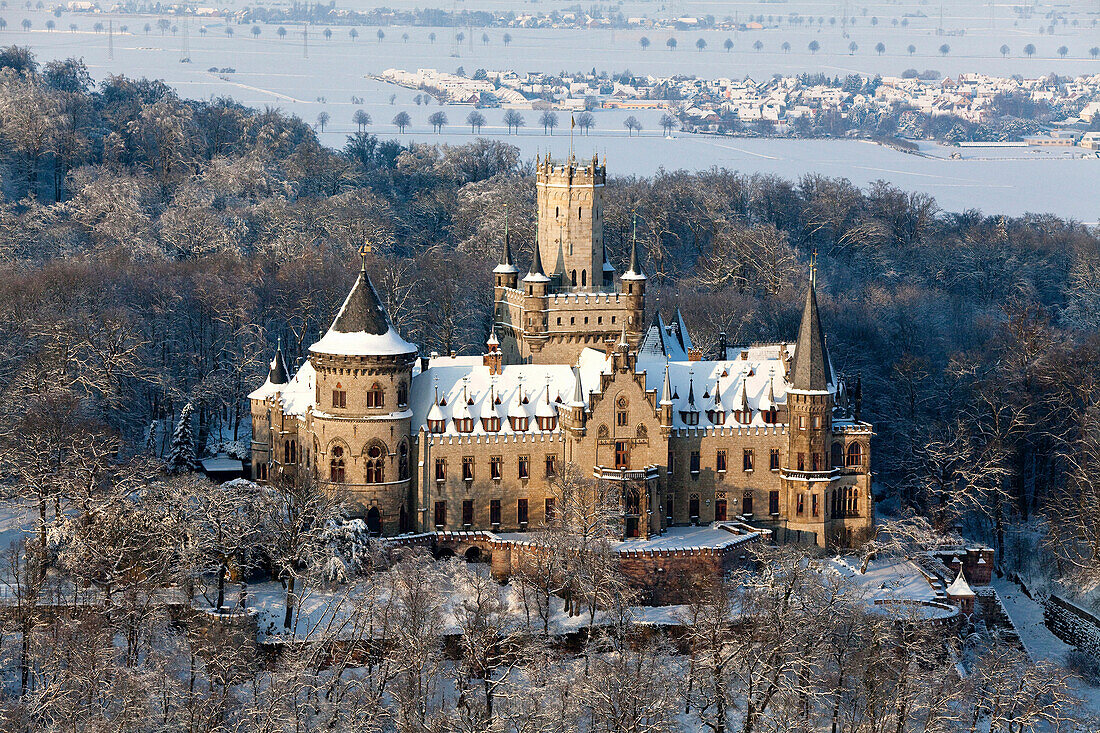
(156, 248)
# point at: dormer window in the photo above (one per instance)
(437, 426)
(547, 423)
(491, 424)
(743, 416)
(770, 415)
(689, 417)
(375, 396)
(716, 417)
(519, 424)
(464, 425)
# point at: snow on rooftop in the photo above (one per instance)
(362, 343)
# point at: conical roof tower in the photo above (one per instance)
(811, 371)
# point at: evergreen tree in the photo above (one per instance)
(151, 441)
(181, 454)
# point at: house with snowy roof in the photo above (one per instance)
(571, 386)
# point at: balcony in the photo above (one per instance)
(794, 475)
(607, 473)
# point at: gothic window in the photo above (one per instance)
(549, 515)
(816, 422)
(747, 460)
(801, 422)
(813, 504)
(375, 396)
(521, 512)
(815, 461)
(855, 455)
(669, 506)
(402, 394)
(524, 467)
(773, 502)
(440, 469)
(632, 501)
(836, 455)
(402, 462)
(467, 468)
(641, 433)
(621, 416)
(746, 503)
(693, 507)
(494, 511)
(494, 468)
(467, 512)
(694, 463)
(720, 510)
(551, 465)
(801, 465)
(622, 454)
(720, 462)
(773, 460)
(440, 514)
(584, 277)
(801, 504)
(376, 469)
(579, 213)
(336, 465)
(339, 397)
(573, 278)
(603, 433)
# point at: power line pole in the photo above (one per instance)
(185, 54)
(110, 40)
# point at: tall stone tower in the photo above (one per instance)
(570, 222)
(361, 426)
(569, 300)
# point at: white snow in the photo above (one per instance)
(361, 343)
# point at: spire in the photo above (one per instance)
(506, 266)
(559, 266)
(666, 389)
(361, 327)
(276, 373)
(578, 390)
(623, 344)
(811, 369)
(691, 396)
(535, 274)
(634, 272)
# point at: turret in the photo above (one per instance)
(666, 405)
(632, 285)
(570, 216)
(506, 274)
(536, 288)
(810, 398)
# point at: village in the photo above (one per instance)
(966, 109)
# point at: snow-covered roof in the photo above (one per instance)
(959, 588)
(462, 380)
(361, 327)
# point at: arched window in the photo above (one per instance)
(402, 394)
(836, 455)
(573, 277)
(336, 465)
(584, 277)
(622, 418)
(375, 396)
(402, 462)
(855, 455)
(376, 467)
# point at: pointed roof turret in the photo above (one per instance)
(959, 588)
(634, 272)
(277, 373)
(682, 332)
(559, 266)
(535, 274)
(666, 389)
(578, 389)
(690, 406)
(811, 370)
(506, 266)
(361, 327)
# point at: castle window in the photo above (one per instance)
(491, 424)
(494, 468)
(584, 277)
(336, 465)
(559, 320)
(467, 468)
(467, 512)
(376, 469)
(716, 417)
(339, 398)
(599, 319)
(612, 320)
(622, 454)
(521, 512)
(801, 504)
(519, 424)
(836, 455)
(551, 465)
(547, 423)
(494, 511)
(801, 465)
(557, 211)
(695, 463)
(747, 460)
(816, 422)
(440, 514)
(773, 460)
(855, 455)
(437, 426)
(773, 502)
(693, 507)
(743, 416)
(669, 506)
(720, 462)
(746, 504)
(813, 503)
(720, 510)
(621, 416)
(801, 422)
(770, 416)
(402, 394)
(549, 515)
(524, 467)
(375, 396)
(573, 278)
(671, 463)
(579, 213)
(815, 461)
(440, 469)
(464, 425)
(586, 320)
(402, 462)
(572, 321)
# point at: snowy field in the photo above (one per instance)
(270, 71)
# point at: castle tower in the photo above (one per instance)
(632, 287)
(807, 473)
(570, 221)
(361, 425)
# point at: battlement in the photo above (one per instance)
(570, 173)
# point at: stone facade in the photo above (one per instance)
(764, 433)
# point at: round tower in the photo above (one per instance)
(361, 427)
(632, 287)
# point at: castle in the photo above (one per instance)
(766, 434)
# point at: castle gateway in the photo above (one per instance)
(570, 376)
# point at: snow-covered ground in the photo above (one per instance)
(1041, 644)
(270, 71)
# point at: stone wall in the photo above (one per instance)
(1073, 625)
